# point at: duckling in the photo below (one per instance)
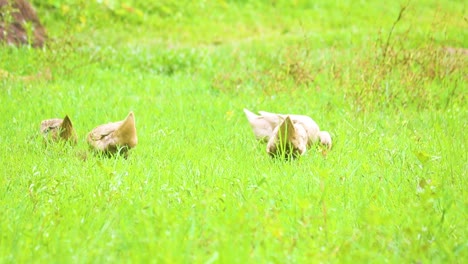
(58, 129)
(267, 126)
(114, 137)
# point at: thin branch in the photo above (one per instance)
(400, 15)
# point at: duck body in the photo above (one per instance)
(314, 134)
(57, 129)
(114, 137)
(288, 140)
(303, 131)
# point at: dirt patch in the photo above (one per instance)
(19, 24)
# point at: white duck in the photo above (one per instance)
(268, 126)
(114, 137)
(287, 140)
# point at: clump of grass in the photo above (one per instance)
(421, 73)
(395, 71)
(390, 71)
(283, 71)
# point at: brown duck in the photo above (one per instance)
(114, 137)
(58, 129)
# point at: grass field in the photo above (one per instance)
(199, 188)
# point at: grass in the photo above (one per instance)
(198, 187)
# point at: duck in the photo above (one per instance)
(57, 129)
(117, 137)
(314, 134)
(288, 140)
(269, 127)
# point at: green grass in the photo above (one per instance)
(198, 188)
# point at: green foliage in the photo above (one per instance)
(198, 187)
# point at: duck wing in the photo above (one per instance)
(50, 124)
(102, 131)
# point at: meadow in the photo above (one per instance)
(388, 80)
